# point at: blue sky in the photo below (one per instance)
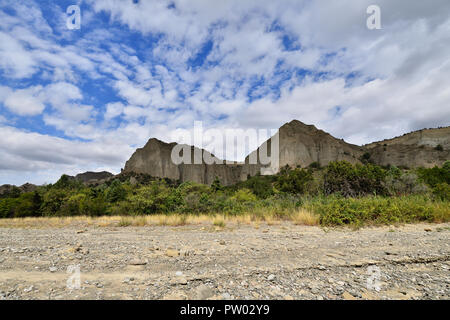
(76, 100)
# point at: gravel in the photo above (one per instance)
(238, 262)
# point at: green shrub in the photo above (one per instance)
(435, 175)
(216, 186)
(244, 195)
(94, 207)
(377, 210)
(404, 184)
(52, 201)
(157, 197)
(261, 186)
(7, 207)
(13, 192)
(294, 181)
(115, 192)
(442, 191)
(353, 180)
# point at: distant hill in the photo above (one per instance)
(93, 177)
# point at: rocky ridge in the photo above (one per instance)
(300, 145)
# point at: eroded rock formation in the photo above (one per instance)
(299, 145)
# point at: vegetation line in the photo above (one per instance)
(338, 194)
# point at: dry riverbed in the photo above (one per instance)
(282, 261)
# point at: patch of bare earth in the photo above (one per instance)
(232, 261)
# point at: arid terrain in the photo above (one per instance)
(280, 261)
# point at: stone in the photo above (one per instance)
(137, 262)
(53, 269)
(203, 292)
(348, 296)
(179, 280)
(271, 277)
(172, 253)
(30, 288)
(226, 296)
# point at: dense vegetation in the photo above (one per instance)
(340, 193)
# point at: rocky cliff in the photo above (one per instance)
(155, 159)
(423, 148)
(302, 145)
(299, 145)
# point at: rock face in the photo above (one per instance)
(299, 145)
(423, 148)
(155, 159)
(302, 145)
(93, 177)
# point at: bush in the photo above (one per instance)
(155, 198)
(244, 195)
(353, 180)
(435, 175)
(261, 186)
(378, 210)
(7, 207)
(73, 205)
(404, 184)
(442, 191)
(52, 201)
(94, 207)
(294, 181)
(216, 186)
(115, 192)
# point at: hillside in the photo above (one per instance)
(299, 145)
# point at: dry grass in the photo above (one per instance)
(305, 218)
(300, 217)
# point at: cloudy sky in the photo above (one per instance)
(77, 100)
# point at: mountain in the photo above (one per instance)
(422, 148)
(299, 145)
(155, 159)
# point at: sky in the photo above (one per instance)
(73, 100)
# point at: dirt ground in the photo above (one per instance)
(282, 261)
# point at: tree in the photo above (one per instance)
(115, 192)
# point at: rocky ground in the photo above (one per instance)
(237, 262)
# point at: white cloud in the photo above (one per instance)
(32, 152)
(407, 63)
(24, 102)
